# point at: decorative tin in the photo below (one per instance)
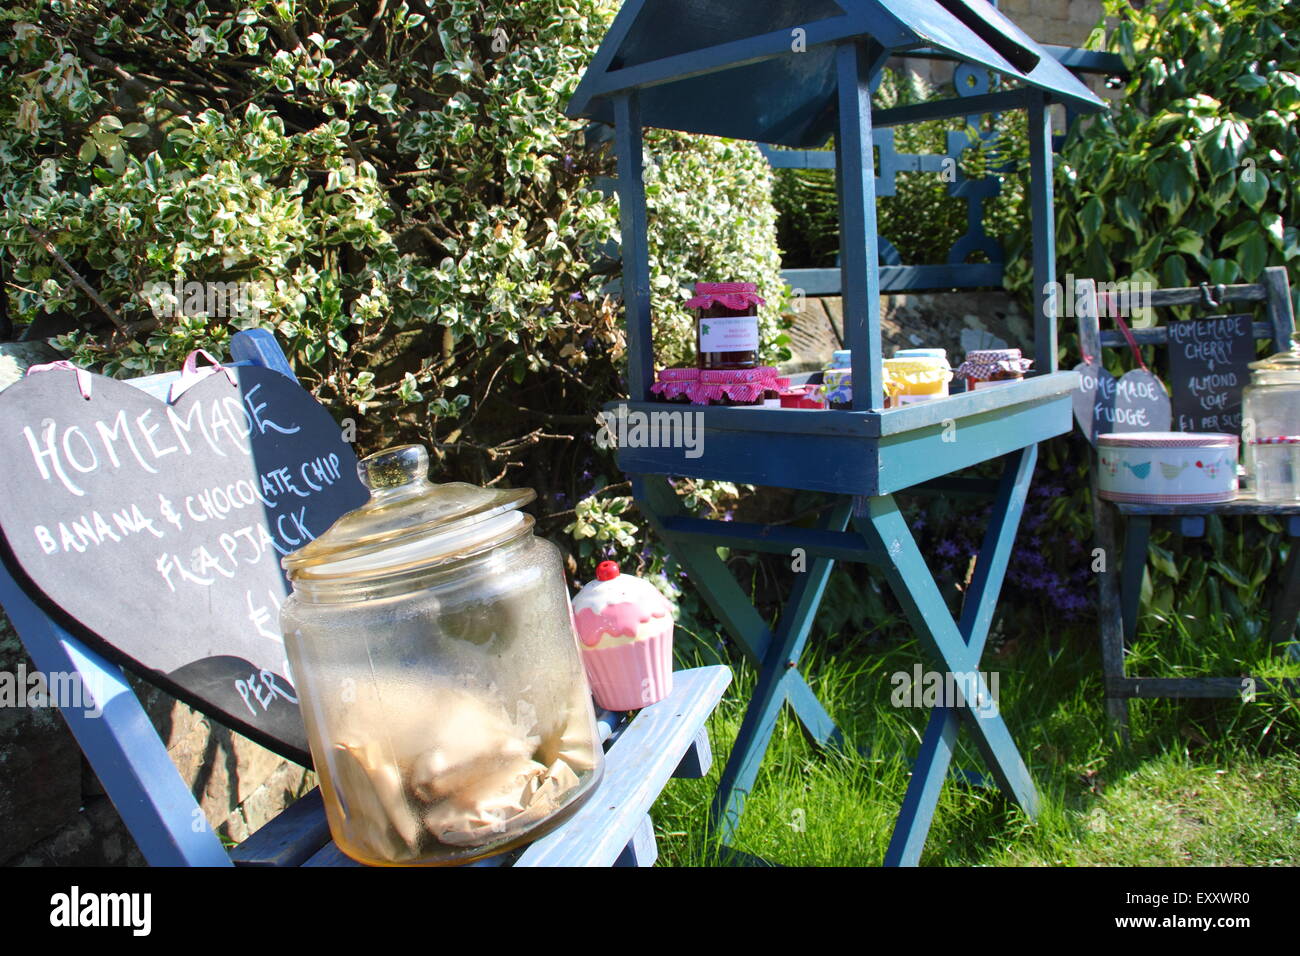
(1167, 467)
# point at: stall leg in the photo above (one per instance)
(916, 590)
(940, 737)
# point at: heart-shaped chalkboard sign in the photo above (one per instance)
(155, 531)
(1136, 402)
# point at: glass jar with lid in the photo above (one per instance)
(432, 645)
(1271, 425)
(726, 324)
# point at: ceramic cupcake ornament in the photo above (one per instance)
(626, 628)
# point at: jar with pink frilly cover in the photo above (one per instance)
(726, 324)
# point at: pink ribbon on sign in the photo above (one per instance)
(83, 377)
(191, 374)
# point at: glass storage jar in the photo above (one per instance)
(1270, 419)
(432, 645)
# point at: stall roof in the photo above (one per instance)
(738, 68)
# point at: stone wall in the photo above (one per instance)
(956, 321)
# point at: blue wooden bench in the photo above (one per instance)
(667, 739)
(1120, 583)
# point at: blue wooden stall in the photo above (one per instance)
(795, 74)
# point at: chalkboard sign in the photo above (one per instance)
(155, 531)
(1208, 361)
(1136, 402)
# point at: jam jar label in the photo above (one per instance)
(730, 334)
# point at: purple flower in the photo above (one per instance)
(946, 549)
(575, 296)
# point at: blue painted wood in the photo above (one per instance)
(1046, 302)
(698, 759)
(920, 442)
(259, 347)
(696, 63)
(939, 740)
(953, 106)
(727, 600)
(642, 849)
(769, 694)
(1088, 61)
(912, 584)
(917, 456)
(902, 278)
(859, 257)
(121, 743)
(938, 745)
(1131, 572)
(677, 52)
(773, 539)
(290, 839)
(636, 253)
(636, 769)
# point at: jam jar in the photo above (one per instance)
(726, 324)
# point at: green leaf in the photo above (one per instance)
(1253, 256)
(1252, 186)
(1237, 235)
(1231, 575)
(1090, 217)
(1185, 240)
(1129, 215)
(1163, 561)
(1224, 271)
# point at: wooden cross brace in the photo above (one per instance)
(879, 536)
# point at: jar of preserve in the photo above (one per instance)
(986, 367)
(433, 648)
(726, 324)
(917, 378)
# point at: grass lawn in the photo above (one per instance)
(1203, 782)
